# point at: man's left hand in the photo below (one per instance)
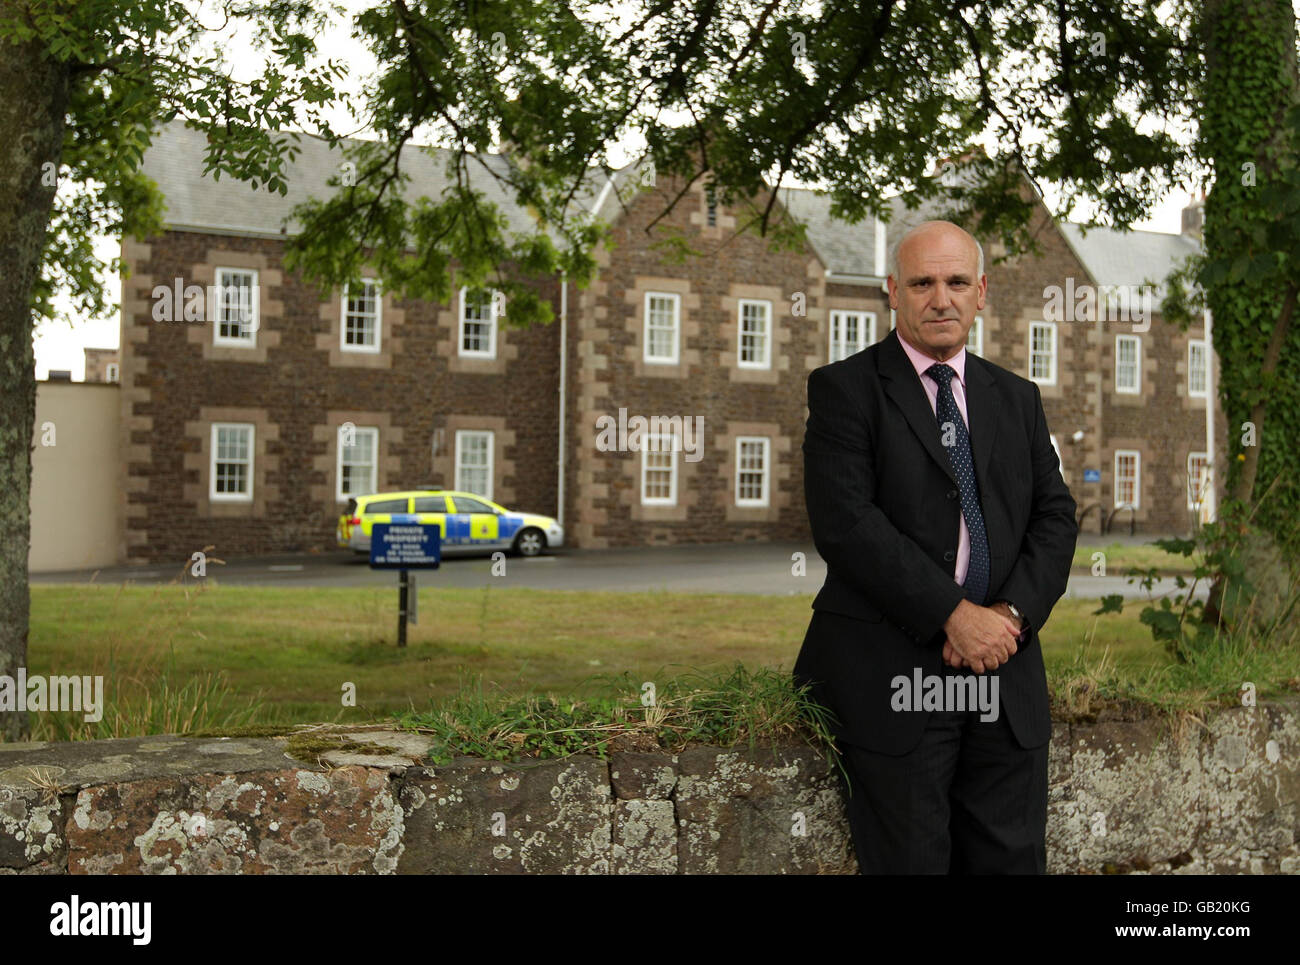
(1002, 608)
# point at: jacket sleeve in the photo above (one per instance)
(1041, 571)
(852, 533)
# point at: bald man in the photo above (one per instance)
(936, 499)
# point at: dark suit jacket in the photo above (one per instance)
(884, 510)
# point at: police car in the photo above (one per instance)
(466, 523)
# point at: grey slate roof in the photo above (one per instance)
(175, 161)
(1128, 257)
(846, 249)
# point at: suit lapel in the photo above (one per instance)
(983, 409)
(902, 385)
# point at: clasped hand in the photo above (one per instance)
(980, 637)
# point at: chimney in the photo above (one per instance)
(1194, 218)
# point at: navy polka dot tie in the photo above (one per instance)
(963, 466)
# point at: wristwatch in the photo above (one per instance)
(1015, 612)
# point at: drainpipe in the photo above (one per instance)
(1209, 499)
(564, 342)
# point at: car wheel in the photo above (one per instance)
(530, 542)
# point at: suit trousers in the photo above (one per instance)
(968, 799)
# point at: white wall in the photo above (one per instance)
(75, 504)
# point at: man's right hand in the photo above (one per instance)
(983, 638)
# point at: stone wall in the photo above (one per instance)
(1126, 795)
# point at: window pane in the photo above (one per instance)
(357, 463)
(473, 462)
(753, 332)
(850, 333)
(1196, 379)
(1041, 351)
(658, 454)
(661, 326)
(751, 469)
(360, 323)
(235, 304)
(1126, 361)
(476, 321)
(232, 453)
(1197, 465)
(385, 506)
(1126, 479)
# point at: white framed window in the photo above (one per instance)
(1128, 477)
(975, 337)
(755, 334)
(1042, 352)
(110, 372)
(663, 315)
(474, 462)
(358, 459)
(237, 310)
(659, 470)
(1128, 364)
(1198, 366)
(753, 469)
(362, 317)
(851, 332)
(1198, 477)
(479, 312)
(230, 474)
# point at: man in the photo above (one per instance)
(936, 499)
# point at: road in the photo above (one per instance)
(758, 568)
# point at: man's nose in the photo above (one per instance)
(942, 296)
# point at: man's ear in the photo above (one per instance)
(982, 291)
(893, 292)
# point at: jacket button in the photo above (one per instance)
(952, 494)
(949, 556)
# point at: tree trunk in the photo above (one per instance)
(33, 102)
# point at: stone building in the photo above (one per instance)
(249, 425)
(102, 365)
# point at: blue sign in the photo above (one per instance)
(405, 546)
(1092, 475)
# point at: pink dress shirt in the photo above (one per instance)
(958, 364)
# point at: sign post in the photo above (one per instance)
(405, 546)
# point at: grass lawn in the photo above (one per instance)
(292, 650)
(1119, 558)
